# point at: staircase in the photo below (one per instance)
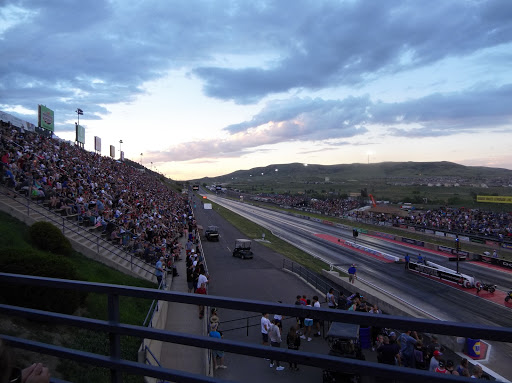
(87, 241)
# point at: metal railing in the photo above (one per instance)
(115, 330)
(66, 225)
(312, 279)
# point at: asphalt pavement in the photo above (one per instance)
(260, 278)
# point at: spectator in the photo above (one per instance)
(407, 343)
(278, 319)
(450, 367)
(434, 362)
(274, 334)
(477, 372)
(462, 368)
(308, 325)
(159, 272)
(35, 373)
(202, 277)
(316, 322)
(352, 273)
(265, 326)
(293, 341)
(217, 355)
(433, 346)
(201, 290)
(389, 352)
(214, 317)
(331, 301)
(441, 369)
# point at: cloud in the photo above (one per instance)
(333, 122)
(103, 52)
(349, 43)
(449, 113)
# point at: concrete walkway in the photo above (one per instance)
(183, 318)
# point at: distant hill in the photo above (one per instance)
(359, 172)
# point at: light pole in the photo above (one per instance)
(141, 159)
(120, 148)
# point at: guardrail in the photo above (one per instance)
(115, 329)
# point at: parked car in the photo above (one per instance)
(242, 249)
(212, 233)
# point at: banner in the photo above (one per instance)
(45, 118)
(384, 235)
(494, 199)
(413, 242)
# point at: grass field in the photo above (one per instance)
(13, 233)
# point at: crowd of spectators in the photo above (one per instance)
(133, 209)
(409, 349)
(497, 225)
(336, 207)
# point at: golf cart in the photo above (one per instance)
(343, 340)
(212, 233)
(242, 249)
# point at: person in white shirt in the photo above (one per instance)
(316, 304)
(265, 326)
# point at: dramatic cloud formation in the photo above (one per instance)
(333, 73)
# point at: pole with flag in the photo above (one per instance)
(79, 113)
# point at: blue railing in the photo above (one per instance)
(115, 330)
(311, 278)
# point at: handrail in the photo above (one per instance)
(154, 357)
(69, 225)
(309, 276)
(116, 329)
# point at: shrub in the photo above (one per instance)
(32, 262)
(47, 237)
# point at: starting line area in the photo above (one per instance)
(358, 248)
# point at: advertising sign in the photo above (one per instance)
(45, 118)
(495, 261)
(413, 241)
(97, 144)
(494, 199)
(80, 134)
(385, 235)
(445, 249)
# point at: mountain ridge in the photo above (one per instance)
(361, 171)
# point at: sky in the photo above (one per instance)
(204, 88)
